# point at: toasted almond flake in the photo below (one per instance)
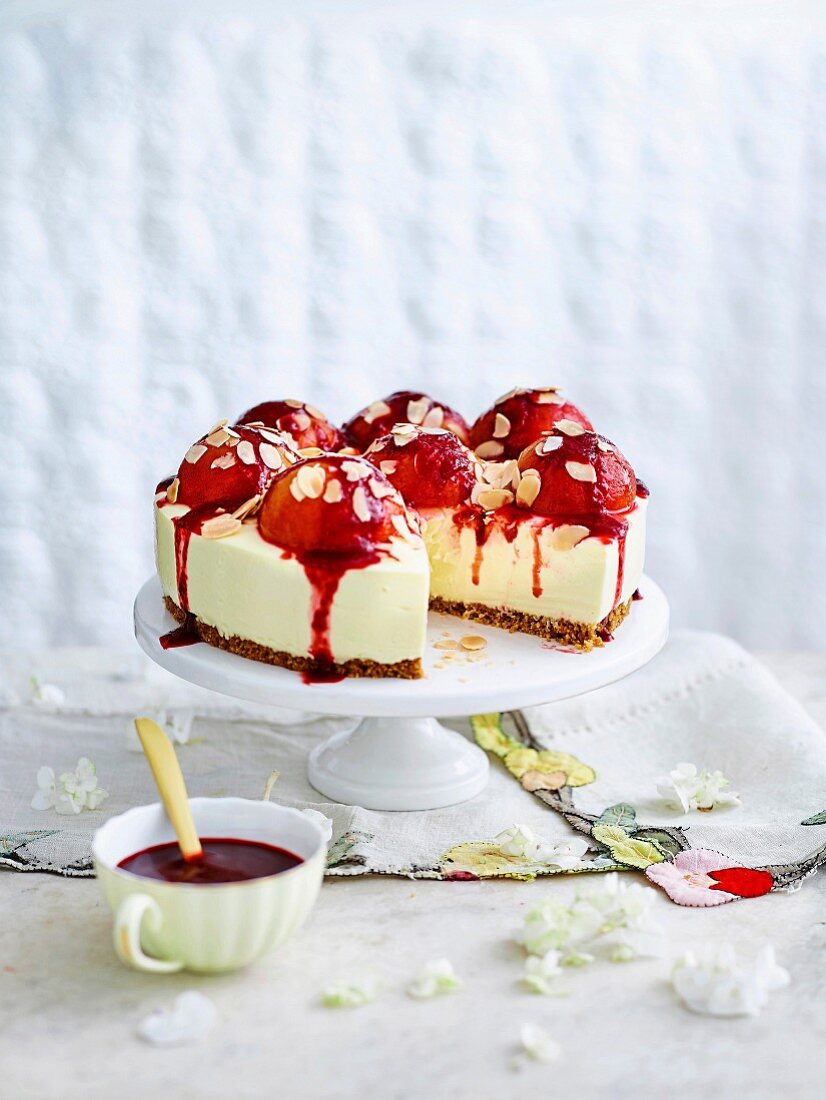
(317, 414)
(272, 436)
(403, 433)
(295, 489)
(472, 642)
(500, 475)
(548, 444)
(217, 427)
(605, 447)
(507, 396)
(172, 490)
(249, 507)
(246, 452)
(389, 466)
(255, 424)
(355, 471)
(293, 403)
(494, 498)
(334, 491)
(301, 421)
(435, 418)
(439, 664)
(196, 451)
(501, 426)
(220, 526)
(360, 506)
(447, 643)
(348, 451)
(569, 427)
(581, 471)
(549, 396)
(568, 536)
(490, 449)
(231, 432)
(217, 439)
(223, 462)
(417, 410)
(310, 452)
(311, 480)
(374, 411)
(271, 456)
(403, 527)
(528, 489)
(381, 489)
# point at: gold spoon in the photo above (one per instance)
(170, 783)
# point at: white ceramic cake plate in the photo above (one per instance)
(398, 757)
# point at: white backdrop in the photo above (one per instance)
(199, 210)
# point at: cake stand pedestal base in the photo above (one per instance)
(398, 764)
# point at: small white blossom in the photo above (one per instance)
(351, 994)
(686, 788)
(520, 840)
(537, 1044)
(323, 821)
(718, 984)
(437, 977)
(49, 695)
(542, 973)
(177, 724)
(188, 1020)
(611, 917)
(72, 792)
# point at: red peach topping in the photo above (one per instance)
(229, 465)
(430, 467)
(403, 407)
(304, 424)
(518, 418)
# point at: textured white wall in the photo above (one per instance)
(199, 210)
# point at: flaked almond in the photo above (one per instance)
(374, 411)
(501, 475)
(446, 643)
(231, 432)
(507, 396)
(172, 490)
(549, 396)
(217, 439)
(528, 488)
(568, 536)
(435, 418)
(605, 447)
(360, 506)
(389, 466)
(271, 456)
(218, 427)
(334, 491)
(381, 489)
(490, 449)
(417, 410)
(403, 433)
(402, 527)
(293, 403)
(548, 444)
(223, 462)
(501, 426)
(301, 421)
(355, 471)
(581, 471)
(569, 427)
(246, 452)
(249, 507)
(310, 452)
(271, 435)
(220, 526)
(196, 451)
(473, 642)
(313, 411)
(295, 489)
(311, 480)
(494, 498)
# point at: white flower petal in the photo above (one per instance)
(351, 994)
(437, 977)
(43, 800)
(188, 1020)
(537, 1043)
(717, 984)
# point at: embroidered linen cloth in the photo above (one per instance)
(703, 700)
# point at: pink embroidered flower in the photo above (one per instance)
(701, 877)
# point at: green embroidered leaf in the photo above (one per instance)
(484, 859)
(661, 838)
(10, 843)
(621, 814)
(487, 729)
(550, 763)
(626, 849)
(341, 853)
(816, 819)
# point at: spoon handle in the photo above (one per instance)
(170, 782)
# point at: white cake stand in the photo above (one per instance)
(398, 757)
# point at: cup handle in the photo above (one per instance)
(128, 920)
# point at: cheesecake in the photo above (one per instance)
(290, 541)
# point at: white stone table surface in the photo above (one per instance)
(68, 1008)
